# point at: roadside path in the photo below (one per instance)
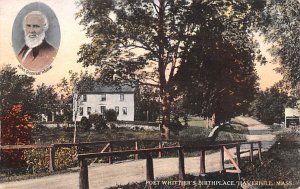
(258, 132)
(104, 175)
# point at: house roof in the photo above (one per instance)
(111, 89)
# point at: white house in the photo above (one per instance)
(102, 98)
(292, 115)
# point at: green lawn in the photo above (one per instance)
(53, 135)
(195, 121)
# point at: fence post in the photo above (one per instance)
(149, 169)
(238, 155)
(259, 151)
(222, 167)
(52, 158)
(160, 146)
(110, 149)
(181, 174)
(136, 156)
(83, 175)
(202, 161)
(251, 152)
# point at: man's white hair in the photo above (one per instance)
(46, 24)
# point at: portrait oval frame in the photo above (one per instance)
(53, 34)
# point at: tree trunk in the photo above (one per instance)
(75, 132)
(165, 130)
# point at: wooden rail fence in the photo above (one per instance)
(109, 146)
(83, 176)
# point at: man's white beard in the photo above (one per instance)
(34, 42)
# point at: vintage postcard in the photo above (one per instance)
(157, 94)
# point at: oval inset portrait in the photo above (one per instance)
(36, 36)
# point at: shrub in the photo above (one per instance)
(85, 123)
(98, 122)
(111, 115)
(38, 159)
(16, 129)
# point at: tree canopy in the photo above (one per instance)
(146, 41)
(219, 80)
(269, 105)
(16, 89)
(280, 25)
(46, 99)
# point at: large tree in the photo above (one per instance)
(145, 41)
(280, 25)
(269, 105)
(219, 79)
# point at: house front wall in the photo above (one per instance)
(97, 103)
(292, 115)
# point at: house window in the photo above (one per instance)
(117, 110)
(80, 111)
(121, 97)
(103, 97)
(102, 109)
(124, 110)
(84, 98)
(89, 110)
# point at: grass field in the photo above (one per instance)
(195, 121)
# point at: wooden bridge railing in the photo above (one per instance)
(238, 153)
(83, 178)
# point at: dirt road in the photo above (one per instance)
(258, 132)
(104, 175)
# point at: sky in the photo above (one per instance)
(72, 36)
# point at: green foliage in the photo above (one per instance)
(219, 78)
(165, 31)
(146, 103)
(85, 123)
(38, 159)
(46, 99)
(16, 89)
(65, 158)
(110, 115)
(98, 122)
(280, 26)
(269, 105)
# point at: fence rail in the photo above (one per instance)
(83, 177)
(109, 146)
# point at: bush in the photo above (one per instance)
(85, 123)
(16, 129)
(98, 122)
(38, 159)
(111, 115)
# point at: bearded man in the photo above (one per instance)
(37, 54)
